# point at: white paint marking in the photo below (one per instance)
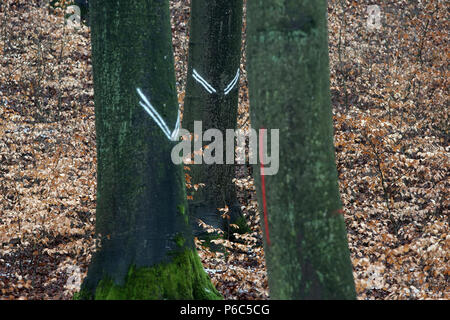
(159, 121)
(204, 86)
(232, 83)
(203, 82)
(174, 135)
(149, 105)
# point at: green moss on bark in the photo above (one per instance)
(182, 278)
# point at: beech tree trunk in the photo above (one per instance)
(147, 250)
(307, 253)
(214, 54)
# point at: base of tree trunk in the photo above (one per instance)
(182, 278)
(213, 217)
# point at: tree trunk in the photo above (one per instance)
(147, 250)
(306, 247)
(214, 54)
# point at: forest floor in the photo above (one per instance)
(389, 90)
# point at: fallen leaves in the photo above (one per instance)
(389, 93)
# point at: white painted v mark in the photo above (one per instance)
(232, 83)
(203, 82)
(209, 88)
(172, 136)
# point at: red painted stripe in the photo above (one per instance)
(263, 183)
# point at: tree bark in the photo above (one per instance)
(214, 54)
(147, 251)
(307, 253)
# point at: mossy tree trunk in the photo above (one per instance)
(214, 54)
(307, 256)
(147, 250)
